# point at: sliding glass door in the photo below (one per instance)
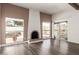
(14, 29)
(46, 29)
(60, 30)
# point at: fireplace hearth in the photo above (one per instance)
(34, 35)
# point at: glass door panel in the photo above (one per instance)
(56, 30)
(14, 29)
(63, 30)
(60, 30)
(46, 30)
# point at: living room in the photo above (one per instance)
(43, 28)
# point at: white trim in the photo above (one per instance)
(11, 44)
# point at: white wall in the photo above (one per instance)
(74, 29)
(73, 24)
(34, 22)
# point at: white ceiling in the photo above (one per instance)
(50, 8)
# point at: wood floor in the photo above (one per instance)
(47, 47)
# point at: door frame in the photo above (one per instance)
(5, 33)
(59, 27)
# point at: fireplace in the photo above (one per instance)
(34, 35)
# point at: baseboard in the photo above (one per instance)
(73, 42)
(11, 44)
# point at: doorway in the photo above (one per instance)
(60, 30)
(14, 30)
(46, 28)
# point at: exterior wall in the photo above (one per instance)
(13, 11)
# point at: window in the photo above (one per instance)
(46, 29)
(14, 29)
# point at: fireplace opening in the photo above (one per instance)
(34, 35)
